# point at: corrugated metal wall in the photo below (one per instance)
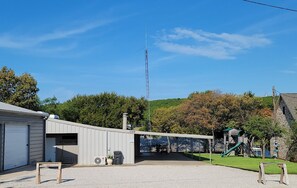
(95, 141)
(36, 140)
(36, 133)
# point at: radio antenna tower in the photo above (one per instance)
(147, 84)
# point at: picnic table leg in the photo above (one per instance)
(37, 173)
(260, 174)
(281, 181)
(59, 178)
(263, 173)
(285, 174)
(262, 178)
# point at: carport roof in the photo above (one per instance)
(4, 107)
(174, 135)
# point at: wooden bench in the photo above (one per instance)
(284, 179)
(49, 164)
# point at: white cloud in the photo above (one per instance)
(34, 42)
(207, 44)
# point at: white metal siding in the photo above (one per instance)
(95, 141)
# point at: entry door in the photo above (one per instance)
(50, 150)
(15, 145)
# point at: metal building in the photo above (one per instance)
(70, 142)
(81, 144)
(22, 136)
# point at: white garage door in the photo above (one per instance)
(15, 145)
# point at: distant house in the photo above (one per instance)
(22, 136)
(285, 115)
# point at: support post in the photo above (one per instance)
(177, 144)
(262, 178)
(210, 152)
(59, 178)
(284, 179)
(225, 142)
(37, 173)
(192, 147)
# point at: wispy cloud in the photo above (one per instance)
(271, 25)
(288, 72)
(163, 59)
(38, 43)
(207, 44)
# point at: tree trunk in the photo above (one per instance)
(252, 142)
(263, 150)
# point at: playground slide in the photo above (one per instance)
(231, 149)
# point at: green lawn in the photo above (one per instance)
(251, 164)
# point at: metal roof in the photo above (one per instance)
(88, 126)
(174, 135)
(4, 107)
(130, 131)
(290, 100)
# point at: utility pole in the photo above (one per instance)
(274, 103)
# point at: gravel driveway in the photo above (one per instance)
(145, 176)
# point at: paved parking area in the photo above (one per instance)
(167, 176)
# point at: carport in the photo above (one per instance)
(159, 154)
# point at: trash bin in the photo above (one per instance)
(118, 157)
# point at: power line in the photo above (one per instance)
(268, 5)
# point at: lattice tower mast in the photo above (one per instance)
(147, 81)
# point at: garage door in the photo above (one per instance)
(15, 145)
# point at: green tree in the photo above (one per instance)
(262, 129)
(249, 105)
(209, 111)
(50, 105)
(167, 120)
(105, 110)
(18, 90)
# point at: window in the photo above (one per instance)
(284, 110)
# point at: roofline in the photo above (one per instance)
(40, 114)
(174, 135)
(129, 131)
(89, 126)
(282, 97)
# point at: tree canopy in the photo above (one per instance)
(262, 129)
(18, 90)
(167, 120)
(104, 110)
(208, 112)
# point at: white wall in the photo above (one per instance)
(95, 141)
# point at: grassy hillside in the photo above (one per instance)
(165, 103)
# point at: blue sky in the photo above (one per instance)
(89, 47)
